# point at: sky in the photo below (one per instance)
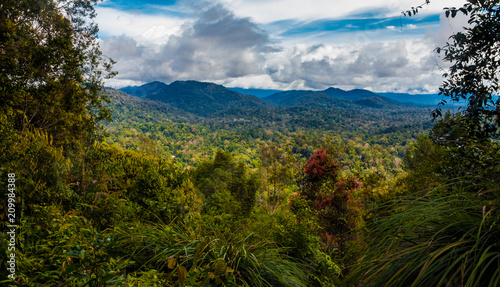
(278, 44)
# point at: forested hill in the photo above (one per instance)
(352, 95)
(307, 99)
(199, 98)
(145, 110)
(216, 106)
(205, 99)
(144, 90)
(329, 99)
(172, 129)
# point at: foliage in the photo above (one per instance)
(473, 75)
(207, 255)
(440, 238)
(240, 194)
(296, 230)
(278, 169)
(41, 167)
(51, 68)
(331, 198)
(424, 162)
(158, 190)
(226, 185)
(445, 233)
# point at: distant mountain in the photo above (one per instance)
(144, 90)
(331, 98)
(259, 93)
(352, 95)
(424, 99)
(380, 102)
(203, 99)
(309, 99)
(125, 105)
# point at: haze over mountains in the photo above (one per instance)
(203, 99)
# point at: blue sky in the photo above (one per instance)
(278, 44)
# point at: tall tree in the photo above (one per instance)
(51, 68)
(226, 185)
(474, 54)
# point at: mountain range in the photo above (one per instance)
(422, 99)
(205, 99)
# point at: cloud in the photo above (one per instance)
(378, 66)
(147, 29)
(266, 11)
(447, 27)
(218, 45)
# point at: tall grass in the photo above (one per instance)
(210, 256)
(435, 239)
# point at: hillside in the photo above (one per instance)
(200, 98)
(309, 99)
(206, 99)
(380, 102)
(169, 129)
(332, 98)
(145, 110)
(352, 95)
(144, 90)
(259, 93)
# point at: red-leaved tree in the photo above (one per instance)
(330, 196)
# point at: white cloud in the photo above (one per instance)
(216, 46)
(265, 11)
(147, 29)
(448, 26)
(219, 44)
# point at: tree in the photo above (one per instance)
(226, 185)
(474, 74)
(474, 55)
(330, 196)
(448, 236)
(277, 171)
(51, 68)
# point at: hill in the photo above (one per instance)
(259, 93)
(309, 99)
(209, 99)
(380, 102)
(125, 106)
(332, 98)
(199, 98)
(352, 95)
(144, 90)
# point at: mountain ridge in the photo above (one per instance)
(201, 98)
(205, 98)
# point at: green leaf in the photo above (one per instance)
(220, 266)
